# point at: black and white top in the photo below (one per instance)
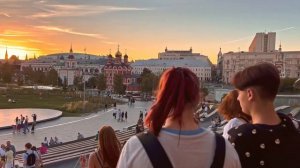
(272, 146)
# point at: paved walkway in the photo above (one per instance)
(66, 128)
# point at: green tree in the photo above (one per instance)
(78, 82)
(149, 82)
(92, 82)
(65, 85)
(101, 82)
(118, 85)
(28, 74)
(6, 72)
(52, 77)
(287, 85)
(146, 72)
(39, 77)
(204, 91)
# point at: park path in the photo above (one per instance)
(66, 128)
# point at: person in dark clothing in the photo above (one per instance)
(34, 118)
(122, 116)
(126, 116)
(141, 114)
(271, 140)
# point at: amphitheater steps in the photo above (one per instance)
(73, 149)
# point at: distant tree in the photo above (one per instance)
(28, 74)
(287, 85)
(20, 79)
(92, 82)
(149, 82)
(78, 82)
(204, 91)
(6, 72)
(101, 82)
(52, 77)
(118, 85)
(60, 82)
(65, 85)
(39, 77)
(145, 72)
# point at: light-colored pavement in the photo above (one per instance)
(7, 116)
(66, 128)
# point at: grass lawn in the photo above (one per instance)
(35, 101)
(53, 101)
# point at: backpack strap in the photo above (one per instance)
(219, 157)
(154, 150)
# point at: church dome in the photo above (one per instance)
(71, 57)
(118, 53)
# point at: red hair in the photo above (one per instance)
(110, 146)
(177, 88)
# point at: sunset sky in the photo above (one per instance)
(143, 27)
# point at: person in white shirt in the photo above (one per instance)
(170, 121)
(9, 158)
(231, 110)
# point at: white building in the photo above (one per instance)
(180, 54)
(202, 68)
(68, 65)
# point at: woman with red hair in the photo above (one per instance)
(174, 138)
(231, 110)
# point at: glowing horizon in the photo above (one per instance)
(142, 28)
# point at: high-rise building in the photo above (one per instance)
(263, 42)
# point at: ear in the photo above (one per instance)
(250, 94)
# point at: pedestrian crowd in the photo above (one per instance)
(7, 155)
(22, 124)
(120, 116)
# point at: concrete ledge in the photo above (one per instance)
(28, 112)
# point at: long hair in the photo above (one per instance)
(230, 107)
(109, 146)
(177, 88)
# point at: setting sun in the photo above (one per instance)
(18, 51)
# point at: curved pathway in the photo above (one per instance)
(66, 128)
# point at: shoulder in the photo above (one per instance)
(92, 156)
(241, 132)
(231, 156)
(133, 155)
(133, 144)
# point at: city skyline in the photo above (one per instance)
(143, 28)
